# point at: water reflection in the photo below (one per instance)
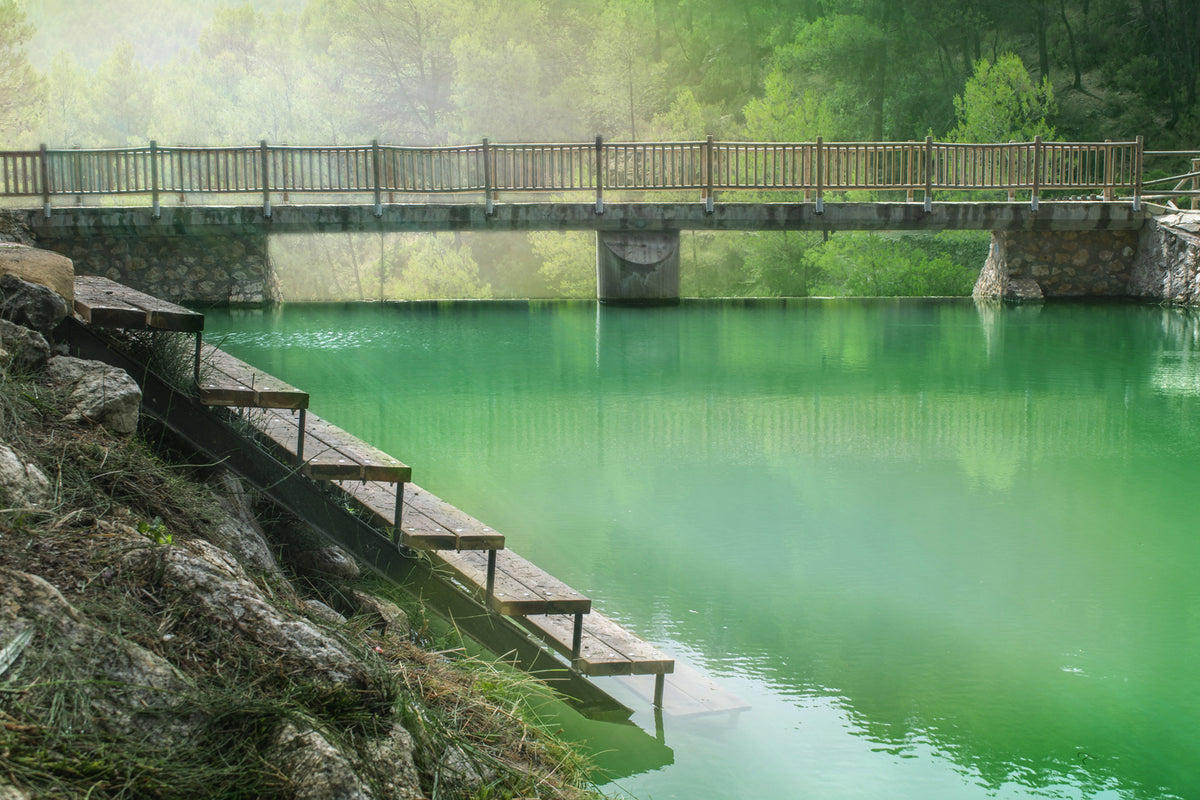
(941, 549)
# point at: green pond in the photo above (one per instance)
(940, 550)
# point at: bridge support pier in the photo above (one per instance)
(218, 264)
(637, 268)
(1030, 266)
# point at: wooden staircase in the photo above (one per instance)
(473, 555)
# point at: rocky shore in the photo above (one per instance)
(164, 633)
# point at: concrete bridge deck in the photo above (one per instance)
(616, 217)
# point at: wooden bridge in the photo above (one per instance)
(637, 196)
(381, 173)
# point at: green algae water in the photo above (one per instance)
(940, 550)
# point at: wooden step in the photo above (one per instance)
(519, 587)
(229, 381)
(328, 452)
(605, 647)
(429, 523)
(107, 304)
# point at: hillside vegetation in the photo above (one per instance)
(450, 71)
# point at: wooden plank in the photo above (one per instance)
(105, 303)
(329, 452)
(228, 381)
(606, 647)
(427, 520)
(521, 587)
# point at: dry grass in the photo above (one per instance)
(105, 489)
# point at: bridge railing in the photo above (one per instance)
(1105, 169)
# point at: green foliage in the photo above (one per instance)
(568, 262)
(156, 531)
(785, 114)
(1001, 103)
(437, 268)
(871, 265)
(21, 88)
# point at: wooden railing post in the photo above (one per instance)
(265, 156)
(1037, 172)
(156, 211)
(1012, 170)
(599, 175)
(708, 175)
(820, 175)
(488, 203)
(1109, 189)
(375, 174)
(1195, 183)
(928, 174)
(1137, 175)
(44, 167)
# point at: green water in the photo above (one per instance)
(942, 551)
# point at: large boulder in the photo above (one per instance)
(315, 769)
(98, 682)
(24, 349)
(22, 483)
(33, 305)
(102, 394)
(211, 583)
(39, 266)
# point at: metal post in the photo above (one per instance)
(820, 175)
(928, 174)
(375, 179)
(1037, 173)
(300, 438)
(196, 365)
(487, 179)
(264, 155)
(491, 576)
(399, 512)
(708, 173)
(599, 175)
(156, 213)
(577, 637)
(44, 167)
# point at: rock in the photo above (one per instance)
(239, 531)
(102, 683)
(460, 775)
(327, 562)
(26, 349)
(210, 582)
(22, 484)
(14, 229)
(391, 617)
(324, 613)
(102, 394)
(392, 755)
(314, 768)
(30, 304)
(10, 792)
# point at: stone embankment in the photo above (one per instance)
(1157, 263)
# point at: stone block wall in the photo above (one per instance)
(219, 266)
(1032, 265)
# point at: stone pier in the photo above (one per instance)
(1030, 266)
(637, 268)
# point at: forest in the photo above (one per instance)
(203, 72)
